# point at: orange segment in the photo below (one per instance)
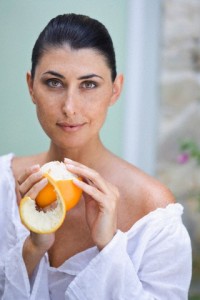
(46, 196)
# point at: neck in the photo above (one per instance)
(89, 154)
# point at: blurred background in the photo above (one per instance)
(155, 124)
(178, 163)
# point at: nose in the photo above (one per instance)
(70, 104)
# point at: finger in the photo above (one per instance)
(109, 198)
(17, 192)
(90, 176)
(30, 181)
(27, 173)
(90, 190)
(70, 162)
(74, 166)
(33, 192)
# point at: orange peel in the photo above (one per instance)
(60, 193)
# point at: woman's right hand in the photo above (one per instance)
(30, 183)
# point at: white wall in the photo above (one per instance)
(142, 83)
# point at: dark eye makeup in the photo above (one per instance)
(89, 84)
(53, 83)
(57, 83)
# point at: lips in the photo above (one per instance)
(70, 127)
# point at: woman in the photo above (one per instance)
(125, 239)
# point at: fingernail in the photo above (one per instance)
(35, 167)
(67, 159)
(75, 180)
(44, 181)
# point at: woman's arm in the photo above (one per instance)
(157, 265)
(34, 249)
(101, 200)
(146, 267)
(23, 265)
(36, 245)
(14, 280)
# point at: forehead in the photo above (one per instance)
(65, 58)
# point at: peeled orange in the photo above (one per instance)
(59, 178)
(60, 190)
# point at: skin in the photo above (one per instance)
(72, 91)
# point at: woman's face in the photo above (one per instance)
(72, 90)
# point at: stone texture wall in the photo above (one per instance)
(180, 112)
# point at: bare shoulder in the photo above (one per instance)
(136, 184)
(152, 193)
(140, 193)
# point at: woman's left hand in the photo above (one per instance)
(101, 198)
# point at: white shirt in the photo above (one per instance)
(151, 261)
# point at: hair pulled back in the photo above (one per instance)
(79, 32)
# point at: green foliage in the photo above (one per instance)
(192, 149)
(197, 297)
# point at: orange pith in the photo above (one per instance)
(38, 223)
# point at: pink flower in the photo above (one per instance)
(183, 158)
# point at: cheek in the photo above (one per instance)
(42, 116)
(45, 114)
(45, 103)
(101, 101)
(98, 112)
(103, 104)
(41, 111)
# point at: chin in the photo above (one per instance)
(74, 143)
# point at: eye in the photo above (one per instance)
(54, 83)
(89, 85)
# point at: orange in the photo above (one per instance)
(60, 190)
(46, 196)
(70, 193)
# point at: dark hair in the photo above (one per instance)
(78, 31)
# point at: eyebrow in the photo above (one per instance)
(54, 74)
(88, 76)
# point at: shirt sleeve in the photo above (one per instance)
(14, 280)
(160, 270)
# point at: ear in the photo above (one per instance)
(117, 88)
(29, 81)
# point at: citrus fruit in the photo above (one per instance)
(59, 178)
(61, 194)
